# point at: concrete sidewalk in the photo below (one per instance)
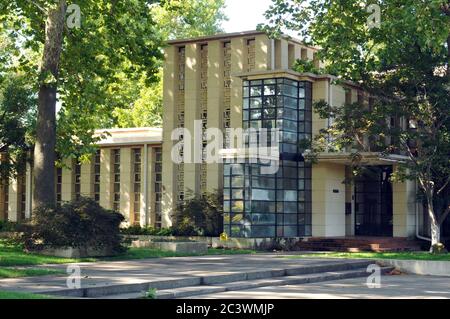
(159, 269)
(392, 287)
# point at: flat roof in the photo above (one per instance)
(282, 72)
(224, 36)
(130, 136)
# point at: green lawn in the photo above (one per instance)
(374, 255)
(22, 295)
(13, 255)
(7, 272)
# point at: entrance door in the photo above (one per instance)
(373, 202)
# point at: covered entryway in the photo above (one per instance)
(373, 202)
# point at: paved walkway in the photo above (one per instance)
(401, 287)
(157, 269)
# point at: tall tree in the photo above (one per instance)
(402, 60)
(178, 19)
(17, 123)
(78, 65)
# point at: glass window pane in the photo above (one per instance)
(255, 103)
(237, 206)
(290, 126)
(237, 218)
(301, 93)
(290, 102)
(301, 104)
(289, 184)
(255, 91)
(270, 101)
(289, 137)
(263, 182)
(255, 114)
(238, 194)
(255, 124)
(290, 91)
(269, 90)
(246, 103)
(263, 231)
(269, 113)
(237, 169)
(263, 194)
(290, 208)
(237, 181)
(290, 231)
(261, 219)
(269, 124)
(290, 196)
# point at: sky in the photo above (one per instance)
(244, 15)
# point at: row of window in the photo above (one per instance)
(278, 204)
(4, 200)
(116, 179)
(158, 186)
(137, 162)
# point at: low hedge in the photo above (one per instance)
(149, 231)
(7, 226)
(77, 224)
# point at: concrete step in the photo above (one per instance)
(186, 292)
(213, 280)
(358, 244)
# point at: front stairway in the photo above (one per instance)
(301, 271)
(358, 244)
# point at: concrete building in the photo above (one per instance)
(244, 80)
(231, 81)
(124, 175)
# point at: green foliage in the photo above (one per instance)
(17, 120)
(306, 66)
(28, 272)
(12, 254)
(176, 19)
(146, 110)
(403, 65)
(23, 295)
(180, 19)
(117, 45)
(199, 215)
(439, 249)
(81, 223)
(7, 226)
(151, 293)
(150, 231)
(110, 68)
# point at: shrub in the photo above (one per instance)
(80, 223)
(7, 226)
(199, 215)
(150, 231)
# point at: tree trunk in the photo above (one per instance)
(448, 57)
(44, 151)
(435, 232)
